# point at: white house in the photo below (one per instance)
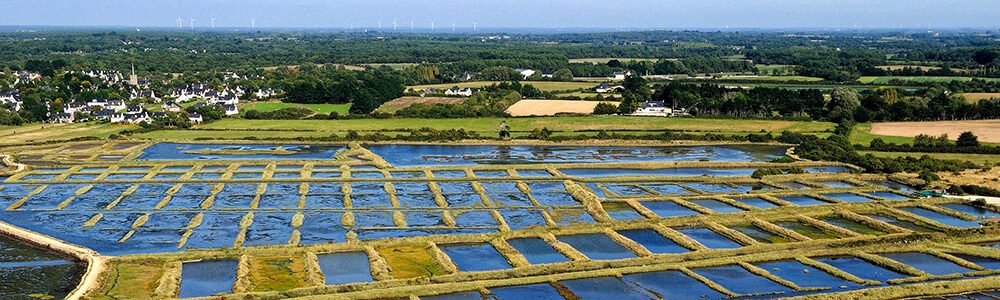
(547, 75)
(620, 75)
(114, 105)
(607, 88)
(653, 109)
(228, 99)
(12, 99)
(111, 115)
(144, 94)
(459, 92)
(195, 118)
(136, 118)
(61, 118)
(75, 107)
(231, 110)
(171, 106)
(264, 94)
(526, 72)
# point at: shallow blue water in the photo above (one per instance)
(928, 263)
(345, 267)
(206, 278)
(621, 211)
(939, 217)
(988, 263)
(803, 200)
(716, 206)
(538, 291)
(667, 209)
(537, 251)
(836, 184)
(475, 257)
(589, 173)
(860, 268)
(806, 276)
(848, 197)
(653, 241)
(672, 285)
(889, 195)
(596, 246)
(971, 210)
(901, 223)
(172, 151)
(756, 202)
(740, 281)
(455, 155)
(605, 288)
(709, 238)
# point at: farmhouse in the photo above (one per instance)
(136, 118)
(231, 110)
(111, 115)
(653, 109)
(459, 92)
(525, 72)
(61, 118)
(429, 90)
(195, 118)
(171, 106)
(607, 88)
(620, 75)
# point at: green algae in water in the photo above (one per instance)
(852, 225)
(761, 235)
(807, 230)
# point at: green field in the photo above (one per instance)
(49, 132)
(238, 128)
(862, 135)
(545, 86)
(886, 79)
(317, 108)
(770, 67)
(976, 158)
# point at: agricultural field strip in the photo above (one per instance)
(696, 259)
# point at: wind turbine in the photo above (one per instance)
(213, 23)
(179, 23)
(253, 23)
(432, 25)
(394, 23)
(452, 26)
(192, 24)
(411, 25)
(474, 26)
(380, 25)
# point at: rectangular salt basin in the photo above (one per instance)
(848, 197)
(656, 172)
(761, 235)
(621, 211)
(605, 288)
(928, 263)
(709, 238)
(807, 230)
(345, 267)
(653, 241)
(889, 195)
(596, 246)
(533, 173)
(985, 262)
(475, 257)
(852, 225)
(756, 202)
(206, 278)
(796, 185)
(537, 251)
(172, 151)
(836, 184)
(672, 285)
(971, 210)
(803, 200)
(860, 268)
(900, 223)
(893, 185)
(939, 217)
(626, 190)
(740, 281)
(805, 276)
(538, 291)
(667, 209)
(717, 206)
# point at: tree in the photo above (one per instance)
(967, 139)
(628, 105)
(983, 57)
(10, 118)
(605, 108)
(563, 74)
(364, 103)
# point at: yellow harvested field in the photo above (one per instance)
(551, 107)
(404, 102)
(986, 130)
(975, 97)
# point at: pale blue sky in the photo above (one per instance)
(509, 14)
